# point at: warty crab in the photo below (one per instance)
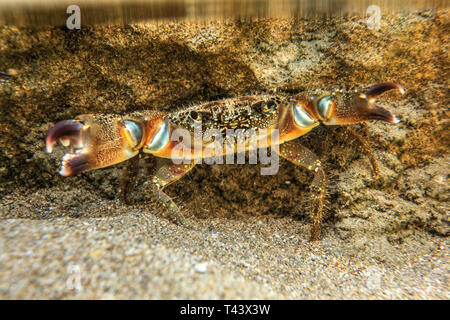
(102, 140)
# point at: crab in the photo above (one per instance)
(102, 140)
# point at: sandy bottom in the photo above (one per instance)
(66, 238)
(133, 253)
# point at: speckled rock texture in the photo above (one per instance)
(250, 232)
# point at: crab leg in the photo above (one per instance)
(365, 145)
(129, 176)
(299, 155)
(167, 174)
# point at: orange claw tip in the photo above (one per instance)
(65, 131)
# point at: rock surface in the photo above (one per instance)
(249, 235)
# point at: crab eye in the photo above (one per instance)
(195, 118)
(160, 137)
(324, 107)
(133, 132)
(301, 117)
(269, 107)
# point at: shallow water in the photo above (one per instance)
(377, 241)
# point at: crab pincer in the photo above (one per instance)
(357, 107)
(69, 133)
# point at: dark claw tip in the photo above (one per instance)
(4, 76)
(380, 113)
(380, 88)
(66, 129)
(73, 163)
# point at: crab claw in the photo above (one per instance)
(66, 131)
(96, 141)
(379, 88)
(359, 107)
(69, 132)
(4, 76)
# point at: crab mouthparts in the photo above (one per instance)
(69, 133)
